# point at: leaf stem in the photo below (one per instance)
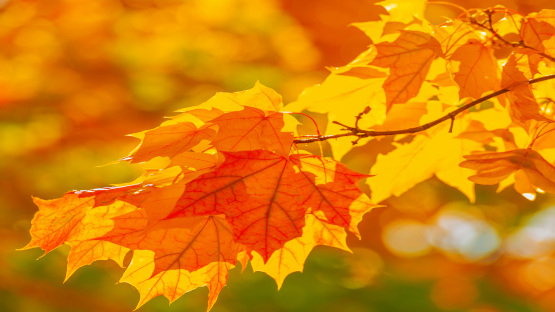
(360, 133)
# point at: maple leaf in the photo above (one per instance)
(523, 105)
(334, 191)
(254, 190)
(200, 162)
(477, 70)
(409, 59)
(76, 222)
(184, 243)
(492, 168)
(537, 32)
(156, 201)
(251, 129)
(408, 165)
(455, 34)
(70, 219)
(86, 252)
(173, 284)
(292, 256)
(259, 96)
(170, 140)
(57, 221)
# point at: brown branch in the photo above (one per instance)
(360, 133)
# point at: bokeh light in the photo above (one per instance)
(407, 238)
(461, 234)
(535, 237)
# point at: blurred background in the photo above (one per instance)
(77, 76)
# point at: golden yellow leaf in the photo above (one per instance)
(292, 256)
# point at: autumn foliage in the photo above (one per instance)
(239, 179)
(224, 186)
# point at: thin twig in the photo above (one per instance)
(519, 44)
(360, 133)
(361, 114)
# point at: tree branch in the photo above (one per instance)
(360, 133)
(519, 44)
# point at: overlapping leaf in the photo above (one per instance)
(537, 33)
(477, 70)
(220, 185)
(260, 194)
(492, 168)
(171, 140)
(409, 58)
(415, 162)
(251, 129)
(523, 106)
(292, 256)
(174, 283)
(187, 244)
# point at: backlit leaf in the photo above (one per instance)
(251, 129)
(476, 71)
(409, 59)
(492, 168)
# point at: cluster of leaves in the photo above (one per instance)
(221, 185)
(481, 68)
(228, 181)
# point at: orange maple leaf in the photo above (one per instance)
(170, 141)
(492, 168)
(258, 191)
(333, 190)
(409, 59)
(252, 129)
(477, 70)
(70, 219)
(182, 243)
(523, 106)
(537, 32)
